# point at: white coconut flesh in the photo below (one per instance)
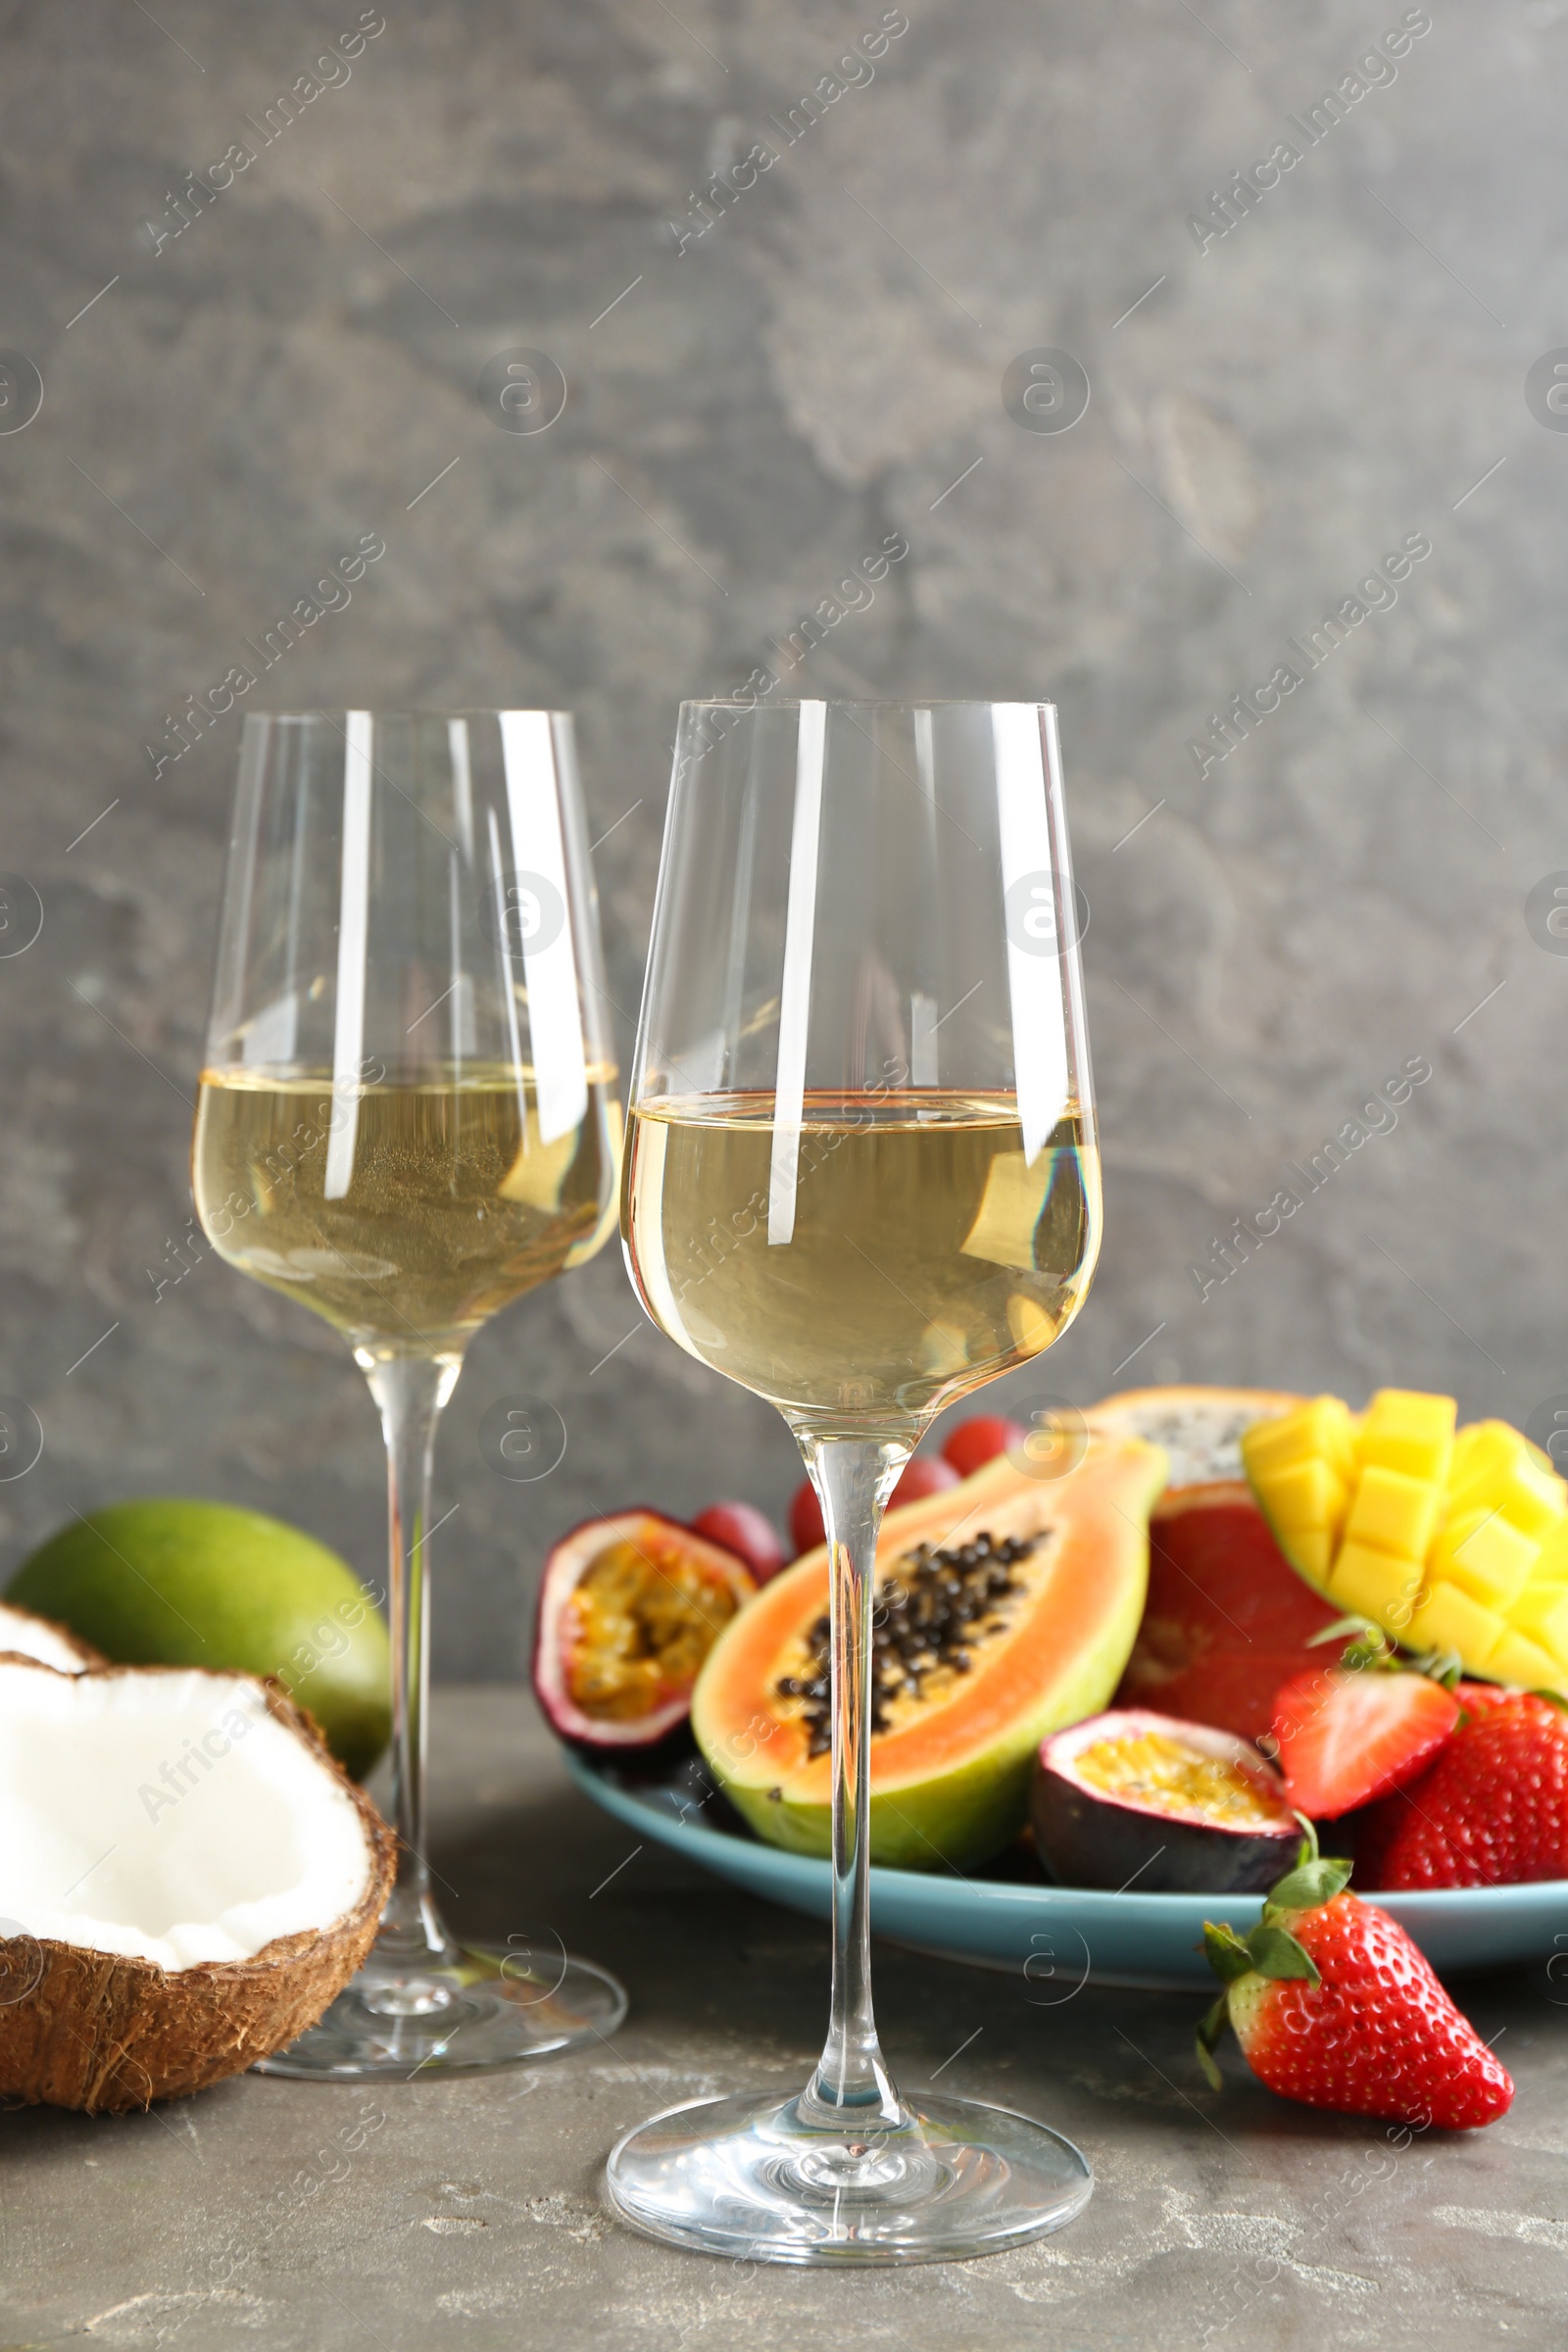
(36, 1637)
(167, 1817)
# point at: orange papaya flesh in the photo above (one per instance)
(1038, 1583)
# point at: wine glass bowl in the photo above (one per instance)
(861, 1179)
(406, 1119)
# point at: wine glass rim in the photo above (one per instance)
(322, 718)
(843, 702)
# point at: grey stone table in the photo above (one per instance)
(470, 2213)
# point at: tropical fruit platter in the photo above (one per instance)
(1126, 1661)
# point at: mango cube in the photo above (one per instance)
(1321, 1429)
(1376, 1583)
(1310, 1494)
(1540, 1614)
(1448, 1619)
(1393, 1511)
(1533, 1501)
(1404, 1430)
(1515, 1661)
(1551, 1566)
(1486, 1558)
(1479, 1448)
(1498, 1471)
(1309, 1550)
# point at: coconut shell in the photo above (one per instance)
(84, 1651)
(104, 2032)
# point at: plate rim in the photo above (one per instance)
(700, 1839)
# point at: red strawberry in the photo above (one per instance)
(1346, 1737)
(1491, 1811)
(980, 1440)
(1332, 2005)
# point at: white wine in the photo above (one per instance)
(926, 1254)
(451, 1202)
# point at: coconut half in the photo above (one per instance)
(186, 1880)
(25, 1636)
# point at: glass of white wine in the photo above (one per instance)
(406, 1119)
(862, 1179)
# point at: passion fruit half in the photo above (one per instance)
(1177, 1808)
(629, 1607)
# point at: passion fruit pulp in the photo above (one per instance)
(1179, 1807)
(629, 1607)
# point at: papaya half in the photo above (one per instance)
(1005, 1607)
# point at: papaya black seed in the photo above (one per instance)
(933, 1612)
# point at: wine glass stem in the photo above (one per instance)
(853, 1478)
(411, 1392)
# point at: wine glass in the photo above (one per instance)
(861, 1179)
(406, 1119)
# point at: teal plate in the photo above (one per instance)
(1059, 1936)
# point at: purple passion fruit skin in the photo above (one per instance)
(629, 1607)
(1175, 1808)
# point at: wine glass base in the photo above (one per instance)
(480, 2013)
(744, 2177)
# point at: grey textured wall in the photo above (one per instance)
(761, 406)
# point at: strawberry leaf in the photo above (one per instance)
(1275, 1952)
(1342, 1628)
(1308, 1886)
(1443, 1666)
(1228, 1956)
(1372, 1653)
(1208, 2033)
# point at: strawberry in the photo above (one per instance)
(1332, 2005)
(1491, 1811)
(1345, 1738)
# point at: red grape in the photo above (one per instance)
(805, 1519)
(927, 1474)
(980, 1440)
(741, 1528)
